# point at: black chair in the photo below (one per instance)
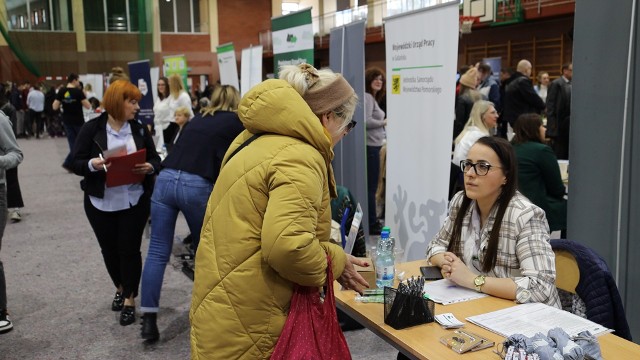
(596, 286)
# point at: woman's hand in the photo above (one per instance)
(350, 278)
(99, 164)
(457, 271)
(144, 168)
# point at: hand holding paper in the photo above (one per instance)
(144, 168)
(128, 169)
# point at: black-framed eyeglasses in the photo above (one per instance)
(351, 125)
(481, 168)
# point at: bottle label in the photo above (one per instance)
(385, 272)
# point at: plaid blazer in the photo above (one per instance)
(524, 252)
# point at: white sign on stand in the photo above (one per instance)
(421, 74)
(250, 68)
(227, 65)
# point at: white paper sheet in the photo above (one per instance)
(532, 318)
(446, 292)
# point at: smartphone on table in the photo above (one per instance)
(431, 272)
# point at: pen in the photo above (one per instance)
(100, 154)
(103, 165)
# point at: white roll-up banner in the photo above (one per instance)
(227, 65)
(250, 68)
(421, 55)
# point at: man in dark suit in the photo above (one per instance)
(519, 96)
(559, 112)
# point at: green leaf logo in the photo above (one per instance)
(292, 38)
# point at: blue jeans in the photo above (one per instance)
(72, 133)
(174, 191)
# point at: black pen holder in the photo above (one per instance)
(403, 311)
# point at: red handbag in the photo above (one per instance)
(311, 331)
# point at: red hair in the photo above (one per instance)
(117, 93)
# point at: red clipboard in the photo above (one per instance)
(120, 170)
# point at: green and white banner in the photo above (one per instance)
(227, 65)
(421, 53)
(176, 64)
(292, 37)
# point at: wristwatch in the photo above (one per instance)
(478, 282)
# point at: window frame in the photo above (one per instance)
(192, 23)
(105, 13)
(29, 18)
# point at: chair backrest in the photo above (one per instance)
(567, 271)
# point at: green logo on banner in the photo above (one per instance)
(292, 38)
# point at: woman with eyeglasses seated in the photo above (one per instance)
(494, 239)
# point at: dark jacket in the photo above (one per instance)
(558, 107)
(539, 180)
(464, 104)
(597, 288)
(90, 142)
(520, 98)
(202, 144)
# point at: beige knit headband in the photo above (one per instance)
(327, 98)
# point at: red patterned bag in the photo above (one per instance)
(311, 331)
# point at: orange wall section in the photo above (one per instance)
(241, 21)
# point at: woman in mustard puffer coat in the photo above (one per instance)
(268, 220)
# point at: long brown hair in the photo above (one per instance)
(167, 88)
(507, 157)
(369, 75)
(527, 128)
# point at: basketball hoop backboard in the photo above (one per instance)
(484, 10)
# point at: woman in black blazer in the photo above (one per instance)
(117, 214)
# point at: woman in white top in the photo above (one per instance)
(178, 97)
(482, 120)
(161, 112)
(543, 84)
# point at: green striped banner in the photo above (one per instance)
(301, 17)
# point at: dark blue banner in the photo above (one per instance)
(140, 73)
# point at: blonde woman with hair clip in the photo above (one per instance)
(184, 185)
(268, 220)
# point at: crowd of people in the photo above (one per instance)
(536, 119)
(253, 179)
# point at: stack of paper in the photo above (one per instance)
(532, 318)
(446, 292)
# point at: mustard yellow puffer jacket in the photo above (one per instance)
(266, 227)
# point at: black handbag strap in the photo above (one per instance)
(244, 144)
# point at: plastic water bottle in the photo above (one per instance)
(385, 260)
(164, 152)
